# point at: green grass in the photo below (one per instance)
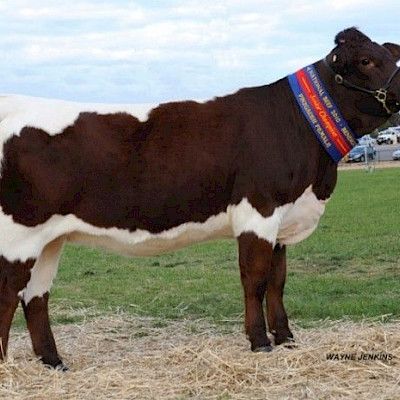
(361, 226)
(349, 267)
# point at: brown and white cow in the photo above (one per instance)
(245, 165)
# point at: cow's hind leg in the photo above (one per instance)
(37, 318)
(255, 262)
(13, 278)
(35, 305)
(276, 314)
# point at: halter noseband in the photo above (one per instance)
(379, 94)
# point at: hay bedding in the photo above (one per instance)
(122, 357)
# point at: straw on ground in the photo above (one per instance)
(125, 357)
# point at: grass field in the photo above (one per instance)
(349, 267)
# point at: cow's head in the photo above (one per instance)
(365, 79)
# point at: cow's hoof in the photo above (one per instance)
(61, 367)
(286, 341)
(290, 344)
(263, 349)
(57, 365)
(283, 337)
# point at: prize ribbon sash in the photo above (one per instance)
(321, 112)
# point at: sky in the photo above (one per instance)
(149, 51)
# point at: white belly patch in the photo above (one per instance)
(143, 243)
(289, 224)
(19, 242)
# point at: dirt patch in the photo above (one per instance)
(122, 357)
(378, 165)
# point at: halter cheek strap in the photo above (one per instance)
(379, 94)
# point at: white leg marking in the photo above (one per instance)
(43, 272)
(245, 218)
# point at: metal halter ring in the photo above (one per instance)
(381, 96)
(339, 79)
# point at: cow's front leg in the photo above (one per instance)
(255, 262)
(13, 278)
(276, 314)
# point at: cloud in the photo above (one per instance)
(149, 50)
(64, 10)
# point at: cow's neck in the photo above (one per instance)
(281, 148)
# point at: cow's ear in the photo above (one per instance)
(394, 49)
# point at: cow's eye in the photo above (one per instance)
(365, 61)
